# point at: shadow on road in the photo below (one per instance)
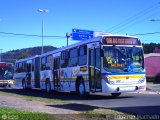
(140, 110)
(76, 107)
(59, 95)
(67, 97)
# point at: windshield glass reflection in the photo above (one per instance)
(123, 59)
(6, 72)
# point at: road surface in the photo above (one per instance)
(135, 103)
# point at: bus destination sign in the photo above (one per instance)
(120, 41)
(4, 65)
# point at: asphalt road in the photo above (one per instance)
(135, 103)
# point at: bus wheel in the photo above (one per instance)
(81, 88)
(23, 84)
(115, 94)
(48, 86)
(9, 85)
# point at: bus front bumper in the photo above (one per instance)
(4, 83)
(108, 88)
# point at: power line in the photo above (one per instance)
(29, 35)
(134, 17)
(147, 33)
(133, 23)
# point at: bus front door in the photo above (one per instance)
(95, 70)
(56, 73)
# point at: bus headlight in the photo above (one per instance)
(10, 81)
(141, 80)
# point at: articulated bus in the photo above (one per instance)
(6, 74)
(110, 64)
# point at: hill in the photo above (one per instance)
(13, 55)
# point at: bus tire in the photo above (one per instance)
(80, 88)
(115, 94)
(23, 84)
(9, 85)
(48, 86)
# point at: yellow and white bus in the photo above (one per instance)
(110, 64)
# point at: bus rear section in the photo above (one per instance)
(6, 74)
(27, 72)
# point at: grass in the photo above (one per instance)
(14, 114)
(48, 100)
(96, 114)
(92, 114)
(108, 114)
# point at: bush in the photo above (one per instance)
(150, 79)
(157, 79)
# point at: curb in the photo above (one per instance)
(149, 92)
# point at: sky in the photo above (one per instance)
(130, 17)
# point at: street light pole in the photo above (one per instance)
(42, 35)
(1, 55)
(42, 11)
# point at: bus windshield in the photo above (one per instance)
(123, 59)
(6, 72)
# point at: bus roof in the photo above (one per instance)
(28, 58)
(74, 45)
(119, 35)
(95, 39)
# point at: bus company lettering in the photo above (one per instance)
(75, 72)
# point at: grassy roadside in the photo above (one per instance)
(108, 114)
(97, 114)
(14, 114)
(48, 100)
(94, 114)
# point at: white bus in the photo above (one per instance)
(109, 64)
(6, 74)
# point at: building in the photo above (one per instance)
(152, 65)
(157, 50)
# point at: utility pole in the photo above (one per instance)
(68, 35)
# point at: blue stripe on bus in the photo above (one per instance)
(123, 73)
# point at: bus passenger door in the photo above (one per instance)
(56, 73)
(28, 74)
(95, 70)
(37, 72)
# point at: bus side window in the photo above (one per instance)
(83, 55)
(33, 61)
(73, 60)
(43, 63)
(64, 59)
(49, 61)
